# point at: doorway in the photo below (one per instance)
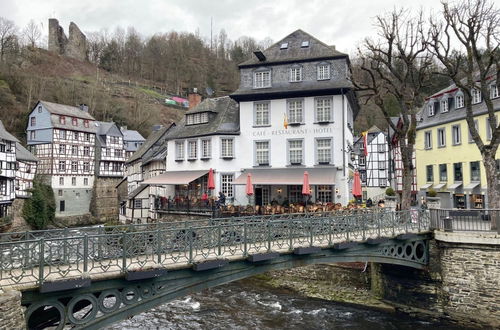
(258, 196)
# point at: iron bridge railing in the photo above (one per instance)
(109, 251)
(482, 220)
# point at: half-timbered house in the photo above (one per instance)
(25, 171)
(110, 150)
(63, 138)
(133, 140)
(7, 170)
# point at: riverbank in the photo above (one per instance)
(343, 283)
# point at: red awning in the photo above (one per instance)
(175, 177)
(288, 176)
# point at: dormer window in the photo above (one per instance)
(74, 121)
(296, 74)
(262, 79)
(39, 109)
(459, 101)
(197, 118)
(476, 96)
(444, 105)
(284, 45)
(430, 109)
(86, 123)
(305, 44)
(493, 91)
(323, 72)
(62, 120)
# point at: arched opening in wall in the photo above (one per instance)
(82, 309)
(45, 316)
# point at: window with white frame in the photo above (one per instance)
(206, 149)
(74, 166)
(61, 181)
(85, 181)
(262, 152)
(197, 118)
(324, 194)
(488, 127)
(428, 140)
(86, 166)
(324, 151)
(62, 166)
(456, 135)
(323, 72)
(192, 149)
(476, 96)
(62, 134)
(296, 74)
(382, 182)
(227, 184)
(86, 151)
(476, 124)
(444, 105)
(381, 147)
(295, 152)
(381, 165)
(74, 150)
(493, 91)
(261, 114)
(227, 148)
(179, 150)
(62, 149)
(295, 194)
(323, 109)
(475, 171)
(459, 101)
(262, 79)
(362, 160)
(295, 109)
(73, 181)
(430, 109)
(441, 137)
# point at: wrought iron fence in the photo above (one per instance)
(119, 249)
(465, 220)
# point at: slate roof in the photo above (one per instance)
(23, 154)
(225, 120)
(154, 139)
(131, 135)
(294, 52)
(4, 135)
(66, 110)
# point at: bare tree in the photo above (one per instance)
(474, 26)
(32, 34)
(7, 36)
(396, 67)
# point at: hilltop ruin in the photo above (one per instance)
(75, 46)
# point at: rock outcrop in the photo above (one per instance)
(75, 46)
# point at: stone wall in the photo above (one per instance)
(105, 204)
(18, 223)
(461, 283)
(11, 311)
(75, 46)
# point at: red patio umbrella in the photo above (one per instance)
(249, 186)
(211, 181)
(356, 185)
(306, 188)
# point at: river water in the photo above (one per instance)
(245, 305)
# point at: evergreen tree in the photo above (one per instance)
(39, 210)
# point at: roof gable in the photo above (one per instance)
(295, 51)
(4, 135)
(65, 110)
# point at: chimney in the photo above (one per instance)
(123, 128)
(84, 107)
(194, 98)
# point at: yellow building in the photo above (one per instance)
(448, 161)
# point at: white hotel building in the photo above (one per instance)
(293, 112)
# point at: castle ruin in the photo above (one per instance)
(75, 46)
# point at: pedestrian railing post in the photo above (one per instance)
(190, 233)
(41, 260)
(158, 246)
(378, 218)
(99, 243)
(347, 227)
(65, 245)
(245, 236)
(290, 232)
(268, 236)
(311, 232)
(363, 224)
(85, 253)
(124, 252)
(219, 239)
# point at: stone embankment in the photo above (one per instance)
(11, 311)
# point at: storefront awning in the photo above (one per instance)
(288, 176)
(455, 186)
(175, 177)
(471, 186)
(439, 186)
(426, 186)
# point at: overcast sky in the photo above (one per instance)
(341, 23)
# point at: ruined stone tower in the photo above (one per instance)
(75, 46)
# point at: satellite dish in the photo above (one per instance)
(209, 91)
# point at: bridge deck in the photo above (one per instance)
(27, 264)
